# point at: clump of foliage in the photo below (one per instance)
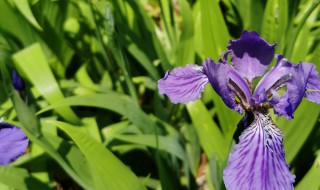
(91, 108)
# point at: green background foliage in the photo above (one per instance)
(91, 108)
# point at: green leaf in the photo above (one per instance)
(92, 128)
(24, 8)
(164, 143)
(275, 21)
(14, 24)
(53, 15)
(250, 12)
(198, 46)
(301, 48)
(293, 32)
(123, 64)
(167, 13)
(215, 35)
(297, 130)
(215, 38)
(30, 127)
(165, 62)
(311, 179)
(168, 144)
(213, 173)
(228, 118)
(143, 59)
(50, 147)
(185, 49)
(211, 139)
(144, 29)
(315, 57)
(25, 113)
(119, 103)
(192, 147)
(19, 178)
(108, 171)
(70, 153)
(33, 63)
(167, 169)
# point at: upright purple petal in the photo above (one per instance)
(13, 143)
(222, 77)
(251, 54)
(275, 78)
(258, 161)
(183, 84)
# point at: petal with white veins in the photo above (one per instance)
(258, 161)
(183, 84)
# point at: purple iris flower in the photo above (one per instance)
(258, 160)
(13, 143)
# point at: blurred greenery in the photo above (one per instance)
(91, 108)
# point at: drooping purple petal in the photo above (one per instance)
(304, 83)
(258, 161)
(227, 83)
(251, 54)
(313, 82)
(277, 76)
(183, 84)
(13, 143)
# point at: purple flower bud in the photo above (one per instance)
(17, 81)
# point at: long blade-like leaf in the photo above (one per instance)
(33, 63)
(116, 102)
(108, 171)
(19, 178)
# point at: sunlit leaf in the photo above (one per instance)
(24, 8)
(19, 178)
(116, 102)
(211, 139)
(33, 63)
(109, 172)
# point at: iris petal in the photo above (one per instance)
(13, 143)
(251, 54)
(277, 76)
(183, 84)
(258, 161)
(305, 82)
(313, 82)
(219, 76)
